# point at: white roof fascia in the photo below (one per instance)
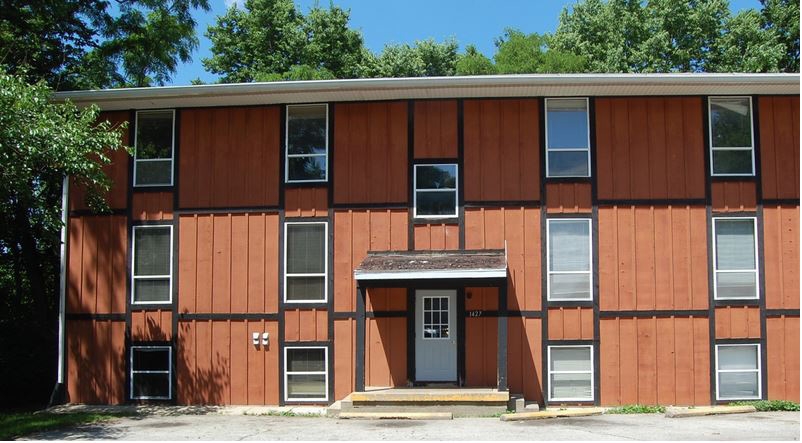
(431, 275)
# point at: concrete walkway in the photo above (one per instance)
(223, 424)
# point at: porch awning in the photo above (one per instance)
(431, 265)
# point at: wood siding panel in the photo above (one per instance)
(781, 256)
(370, 159)
(306, 325)
(96, 265)
(655, 360)
(355, 233)
(152, 325)
(565, 198)
(524, 372)
(570, 324)
(344, 357)
(779, 146)
(733, 196)
(502, 155)
(520, 228)
(737, 322)
(229, 157)
(386, 352)
(436, 237)
(386, 299)
(228, 263)
(95, 361)
(633, 275)
(152, 206)
(306, 202)
(650, 148)
(217, 363)
(435, 129)
(481, 338)
(782, 346)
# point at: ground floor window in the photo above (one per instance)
(151, 372)
(306, 376)
(738, 371)
(570, 373)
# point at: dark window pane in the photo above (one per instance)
(154, 134)
(306, 386)
(436, 203)
(305, 288)
(735, 244)
(436, 177)
(152, 251)
(307, 168)
(154, 172)
(151, 359)
(306, 360)
(568, 164)
(568, 124)
(306, 248)
(732, 161)
(151, 385)
(306, 129)
(156, 290)
(731, 122)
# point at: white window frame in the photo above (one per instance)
(546, 129)
(287, 154)
(715, 261)
(416, 190)
(591, 372)
(134, 277)
(549, 272)
(710, 101)
(169, 372)
(325, 374)
(145, 160)
(325, 272)
(758, 371)
(448, 316)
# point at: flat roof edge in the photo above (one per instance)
(432, 275)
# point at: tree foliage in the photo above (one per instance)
(83, 44)
(519, 53)
(473, 62)
(425, 58)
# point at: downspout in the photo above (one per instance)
(58, 396)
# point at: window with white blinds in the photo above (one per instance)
(305, 262)
(738, 372)
(570, 373)
(152, 258)
(569, 259)
(735, 262)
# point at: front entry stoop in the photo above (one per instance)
(422, 403)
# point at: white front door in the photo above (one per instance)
(436, 335)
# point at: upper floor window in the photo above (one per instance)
(569, 260)
(307, 143)
(731, 136)
(735, 261)
(435, 190)
(567, 137)
(153, 263)
(153, 148)
(305, 262)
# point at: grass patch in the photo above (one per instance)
(19, 424)
(637, 409)
(769, 405)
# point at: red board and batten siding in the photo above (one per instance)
(435, 129)
(779, 146)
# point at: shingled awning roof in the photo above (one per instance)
(408, 265)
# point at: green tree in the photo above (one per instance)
(781, 17)
(40, 142)
(426, 58)
(473, 62)
(81, 44)
(519, 53)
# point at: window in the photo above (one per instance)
(307, 143)
(731, 136)
(153, 148)
(306, 377)
(435, 317)
(153, 264)
(735, 262)
(738, 372)
(436, 190)
(569, 259)
(151, 372)
(567, 137)
(571, 373)
(305, 262)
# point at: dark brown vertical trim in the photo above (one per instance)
(502, 337)
(330, 301)
(461, 173)
(330, 159)
(176, 250)
(411, 375)
(711, 303)
(282, 150)
(761, 270)
(595, 253)
(281, 307)
(128, 256)
(359, 365)
(461, 337)
(544, 305)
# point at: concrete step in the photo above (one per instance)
(422, 396)
(396, 415)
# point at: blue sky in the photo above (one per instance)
(476, 22)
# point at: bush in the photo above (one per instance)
(769, 405)
(637, 409)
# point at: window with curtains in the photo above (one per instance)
(305, 255)
(152, 258)
(570, 373)
(735, 273)
(731, 136)
(153, 148)
(307, 143)
(567, 137)
(738, 372)
(306, 373)
(569, 259)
